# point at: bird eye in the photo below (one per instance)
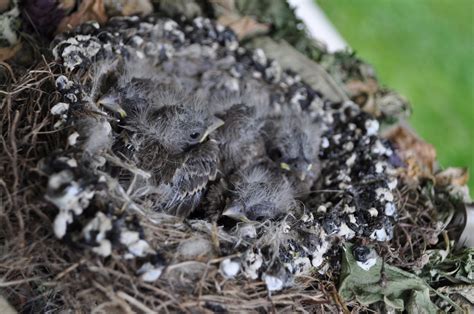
(195, 135)
(276, 153)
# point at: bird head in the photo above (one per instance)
(258, 195)
(189, 127)
(176, 121)
(292, 142)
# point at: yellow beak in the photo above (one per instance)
(235, 212)
(217, 123)
(112, 103)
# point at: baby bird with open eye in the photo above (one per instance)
(168, 133)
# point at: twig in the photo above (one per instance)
(17, 282)
(135, 302)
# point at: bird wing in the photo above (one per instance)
(188, 175)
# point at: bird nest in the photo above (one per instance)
(74, 237)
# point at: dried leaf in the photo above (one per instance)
(223, 6)
(356, 87)
(5, 307)
(244, 26)
(418, 155)
(66, 5)
(363, 94)
(128, 7)
(140, 7)
(4, 4)
(8, 52)
(187, 8)
(452, 176)
(89, 10)
(392, 105)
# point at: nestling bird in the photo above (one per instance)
(240, 138)
(169, 136)
(167, 131)
(292, 141)
(259, 192)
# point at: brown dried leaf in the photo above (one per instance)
(66, 5)
(8, 52)
(4, 4)
(244, 26)
(355, 87)
(6, 307)
(452, 176)
(140, 7)
(89, 10)
(128, 7)
(363, 93)
(419, 155)
(221, 6)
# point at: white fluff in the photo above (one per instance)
(229, 268)
(150, 273)
(368, 264)
(252, 263)
(345, 231)
(380, 235)
(59, 108)
(60, 223)
(373, 212)
(372, 127)
(318, 258)
(351, 160)
(129, 237)
(72, 139)
(104, 248)
(384, 194)
(273, 283)
(390, 209)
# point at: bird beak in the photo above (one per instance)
(112, 103)
(217, 123)
(301, 175)
(285, 166)
(235, 212)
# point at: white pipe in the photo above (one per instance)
(318, 24)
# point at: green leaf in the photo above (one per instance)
(397, 288)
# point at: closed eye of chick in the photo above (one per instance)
(292, 141)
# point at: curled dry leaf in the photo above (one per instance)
(8, 52)
(6, 307)
(89, 10)
(418, 155)
(66, 5)
(376, 100)
(4, 4)
(452, 176)
(128, 7)
(243, 26)
(363, 94)
(223, 7)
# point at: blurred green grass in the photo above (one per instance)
(424, 49)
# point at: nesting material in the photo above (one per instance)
(354, 160)
(112, 218)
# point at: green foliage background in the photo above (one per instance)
(424, 49)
